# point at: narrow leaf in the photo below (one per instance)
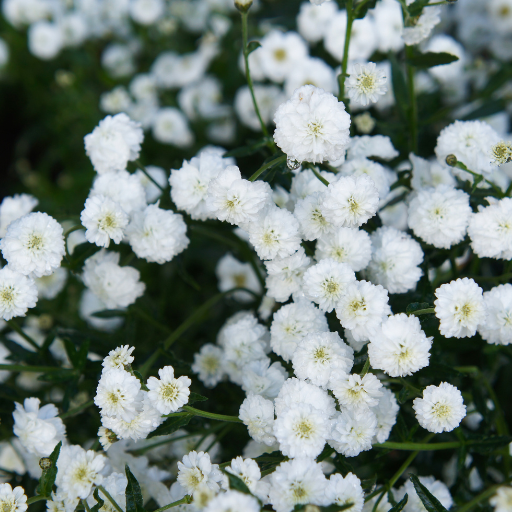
(417, 306)
(171, 424)
(196, 397)
(361, 13)
(431, 59)
(109, 313)
(400, 505)
(430, 502)
(416, 8)
(236, 483)
(49, 474)
(399, 86)
(134, 501)
(99, 501)
(487, 444)
(253, 45)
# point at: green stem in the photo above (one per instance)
(344, 63)
(211, 415)
(86, 507)
(148, 176)
(15, 327)
(389, 445)
(76, 410)
(268, 165)
(184, 501)
(150, 319)
(479, 177)
(366, 367)
(248, 77)
(427, 311)
(35, 499)
(477, 499)
(413, 106)
(36, 369)
(112, 500)
(319, 176)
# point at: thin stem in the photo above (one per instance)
(184, 501)
(15, 327)
(245, 50)
(76, 410)
(413, 106)
(319, 176)
(390, 445)
(35, 369)
(366, 367)
(268, 165)
(344, 63)
(112, 500)
(482, 496)
(212, 416)
(84, 503)
(35, 499)
(150, 319)
(148, 176)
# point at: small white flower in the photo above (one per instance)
(500, 501)
(366, 83)
(414, 503)
(429, 18)
(257, 413)
(14, 207)
(232, 500)
(232, 273)
(498, 326)
(17, 293)
(209, 365)
(356, 393)
(104, 220)
(351, 434)
(441, 408)
(344, 490)
(308, 211)
(460, 307)
(386, 412)
(106, 437)
(12, 500)
(168, 394)
(247, 470)
(119, 358)
(196, 469)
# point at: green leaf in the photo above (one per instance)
(63, 375)
(172, 424)
(134, 501)
(99, 501)
(487, 444)
(82, 355)
(430, 502)
(253, 45)
(417, 306)
(403, 395)
(48, 476)
(236, 483)
(400, 505)
(246, 150)
(361, 13)
(431, 59)
(487, 109)
(416, 8)
(110, 313)
(368, 484)
(326, 453)
(196, 397)
(399, 86)
(337, 508)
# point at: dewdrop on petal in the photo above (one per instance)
(460, 308)
(440, 409)
(366, 83)
(168, 394)
(312, 126)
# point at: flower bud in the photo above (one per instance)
(45, 463)
(451, 160)
(243, 5)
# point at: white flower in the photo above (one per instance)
(123, 188)
(157, 235)
(429, 173)
(399, 347)
(17, 293)
(257, 413)
(311, 71)
(325, 283)
(115, 286)
(321, 355)
(106, 437)
(343, 490)
(247, 470)
(209, 365)
(45, 39)
(470, 142)
(437, 488)
(351, 201)
(382, 176)
(268, 98)
(362, 308)
(168, 394)
(189, 185)
(12, 500)
(305, 183)
(352, 434)
(440, 409)
(232, 500)
(365, 83)
(104, 220)
(235, 200)
(460, 308)
(296, 482)
(308, 212)
(284, 275)
(301, 431)
(345, 245)
(14, 207)
(296, 392)
(497, 328)
(274, 234)
(262, 377)
(118, 394)
(48, 287)
(232, 273)
(119, 358)
(33, 244)
(490, 230)
(196, 469)
(113, 143)
(424, 25)
(313, 18)
(312, 126)
(366, 146)
(440, 216)
(291, 323)
(395, 260)
(500, 501)
(386, 412)
(39, 429)
(78, 471)
(356, 393)
(115, 484)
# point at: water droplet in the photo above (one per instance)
(292, 164)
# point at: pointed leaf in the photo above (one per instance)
(400, 505)
(487, 444)
(416, 8)
(196, 397)
(431, 59)
(99, 501)
(171, 424)
(399, 86)
(417, 306)
(361, 13)
(134, 501)
(236, 483)
(110, 313)
(253, 45)
(430, 502)
(49, 474)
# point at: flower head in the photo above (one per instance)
(168, 394)
(366, 83)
